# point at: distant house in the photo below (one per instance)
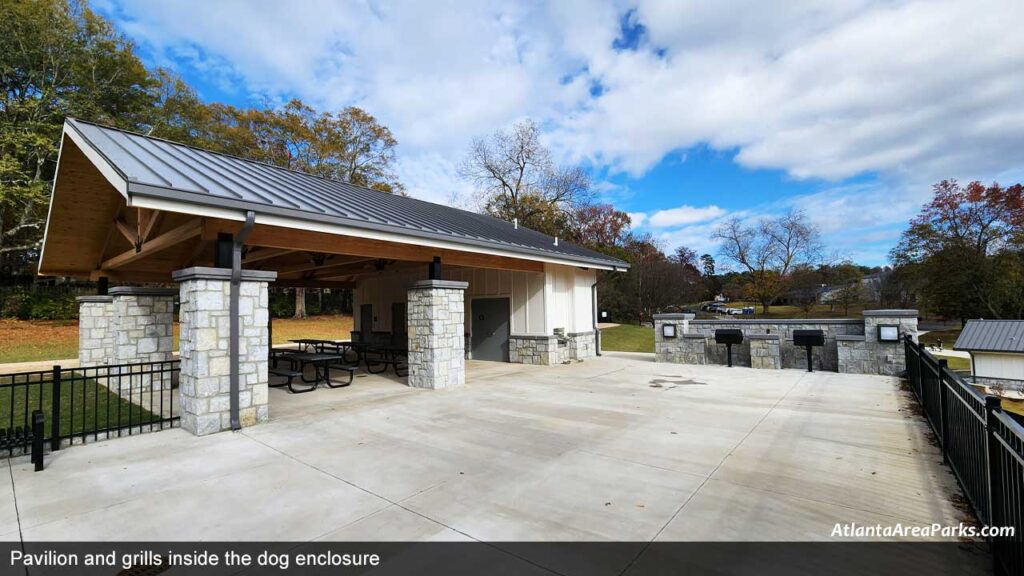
(997, 352)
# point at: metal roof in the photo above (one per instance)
(992, 336)
(156, 168)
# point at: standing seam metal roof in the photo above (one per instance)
(992, 336)
(162, 169)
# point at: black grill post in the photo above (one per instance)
(55, 409)
(810, 359)
(729, 336)
(809, 339)
(38, 429)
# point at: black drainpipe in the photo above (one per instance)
(236, 284)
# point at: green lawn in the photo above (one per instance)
(628, 338)
(85, 405)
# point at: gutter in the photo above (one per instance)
(236, 285)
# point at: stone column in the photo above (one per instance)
(436, 316)
(95, 330)
(204, 348)
(888, 356)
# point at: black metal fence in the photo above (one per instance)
(80, 405)
(981, 443)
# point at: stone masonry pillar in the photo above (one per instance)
(95, 330)
(437, 345)
(205, 348)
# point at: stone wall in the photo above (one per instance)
(999, 385)
(205, 348)
(95, 330)
(765, 351)
(582, 345)
(549, 350)
(437, 344)
(857, 340)
(683, 349)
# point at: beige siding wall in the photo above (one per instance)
(1010, 366)
(569, 292)
(524, 289)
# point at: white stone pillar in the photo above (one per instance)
(95, 330)
(437, 345)
(204, 348)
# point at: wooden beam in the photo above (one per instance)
(127, 232)
(152, 223)
(187, 230)
(311, 267)
(305, 240)
(301, 283)
(259, 254)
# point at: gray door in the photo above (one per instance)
(399, 325)
(490, 329)
(365, 322)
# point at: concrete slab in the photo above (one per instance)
(8, 511)
(615, 448)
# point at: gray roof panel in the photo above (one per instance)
(992, 336)
(164, 169)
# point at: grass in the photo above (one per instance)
(40, 340)
(85, 405)
(628, 338)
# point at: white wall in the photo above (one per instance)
(990, 365)
(524, 289)
(571, 300)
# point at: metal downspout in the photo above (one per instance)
(597, 332)
(236, 285)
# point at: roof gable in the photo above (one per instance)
(164, 170)
(992, 336)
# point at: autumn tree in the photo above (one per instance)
(707, 265)
(517, 179)
(57, 59)
(769, 250)
(966, 249)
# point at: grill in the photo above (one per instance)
(809, 339)
(729, 336)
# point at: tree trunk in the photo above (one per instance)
(300, 303)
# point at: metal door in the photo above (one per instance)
(365, 322)
(490, 329)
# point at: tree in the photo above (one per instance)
(599, 227)
(518, 180)
(769, 251)
(57, 59)
(707, 264)
(805, 287)
(965, 249)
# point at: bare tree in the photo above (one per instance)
(769, 251)
(517, 179)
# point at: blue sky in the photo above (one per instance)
(686, 113)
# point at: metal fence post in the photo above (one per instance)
(55, 410)
(943, 419)
(993, 405)
(38, 429)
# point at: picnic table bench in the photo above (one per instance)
(322, 365)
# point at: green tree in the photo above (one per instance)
(965, 250)
(57, 59)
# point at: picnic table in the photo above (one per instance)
(314, 344)
(322, 364)
(386, 356)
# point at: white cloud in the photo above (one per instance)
(910, 91)
(637, 219)
(684, 215)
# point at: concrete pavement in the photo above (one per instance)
(615, 448)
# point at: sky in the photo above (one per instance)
(684, 112)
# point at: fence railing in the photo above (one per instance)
(87, 404)
(982, 444)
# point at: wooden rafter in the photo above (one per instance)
(173, 237)
(130, 235)
(152, 223)
(260, 254)
(327, 265)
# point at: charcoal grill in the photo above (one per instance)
(809, 339)
(729, 336)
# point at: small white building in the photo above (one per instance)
(997, 351)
